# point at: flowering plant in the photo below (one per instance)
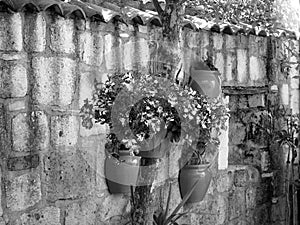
(143, 110)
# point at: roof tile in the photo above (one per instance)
(108, 12)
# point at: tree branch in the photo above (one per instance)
(158, 8)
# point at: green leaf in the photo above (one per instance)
(185, 198)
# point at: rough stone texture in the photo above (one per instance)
(92, 151)
(35, 32)
(62, 58)
(13, 79)
(61, 35)
(23, 191)
(11, 38)
(1, 210)
(236, 201)
(241, 178)
(242, 67)
(17, 105)
(83, 213)
(67, 176)
(45, 216)
(20, 133)
(237, 132)
(23, 162)
(257, 71)
(23, 130)
(224, 181)
(91, 48)
(112, 48)
(142, 54)
(115, 205)
(64, 131)
(256, 101)
(54, 80)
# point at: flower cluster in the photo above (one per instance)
(141, 110)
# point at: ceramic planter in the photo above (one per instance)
(157, 152)
(190, 174)
(121, 173)
(205, 81)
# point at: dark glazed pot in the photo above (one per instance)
(190, 174)
(158, 152)
(121, 173)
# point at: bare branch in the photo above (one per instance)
(158, 8)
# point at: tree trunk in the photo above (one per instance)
(169, 61)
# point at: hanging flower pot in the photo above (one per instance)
(204, 80)
(121, 173)
(190, 174)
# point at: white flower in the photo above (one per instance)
(122, 120)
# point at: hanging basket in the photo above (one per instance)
(204, 80)
(121, 173)
(190, 174)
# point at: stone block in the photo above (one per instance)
(1, 210)
(251, 198)
(237, 132)
(241, 178)
(236, 204)
(54, 80)
(111, 51)
(254, 174)
(91, 48)
(17, 105)
(278, 210)
(256, 100)
(113, 205)
(295, 100)
(35, 32)
(30, 133)
(83, 213)
(13, 79)
(224, 181)
(20, 132)
(5, 141)
(262, 215)
(230, 69)
(230, 42)
(64, 131)
(142, 55)
(62, 35)
(23, 191)
(190, 38)
(257, 45)
(242, 67)
(23, 162)
(92, 150)
(219, 64)
(218, 40)
(67, 175)
(257, 70)
(243, 101)
(45, 216)
(128, 57)
(242, 41)
(11, 38)
(241, 221)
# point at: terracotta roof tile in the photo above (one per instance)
(108, 12)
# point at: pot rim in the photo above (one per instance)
(200, 166)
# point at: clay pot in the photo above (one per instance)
(190, 174)
(121, 173)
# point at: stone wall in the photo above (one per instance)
(52, 167)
